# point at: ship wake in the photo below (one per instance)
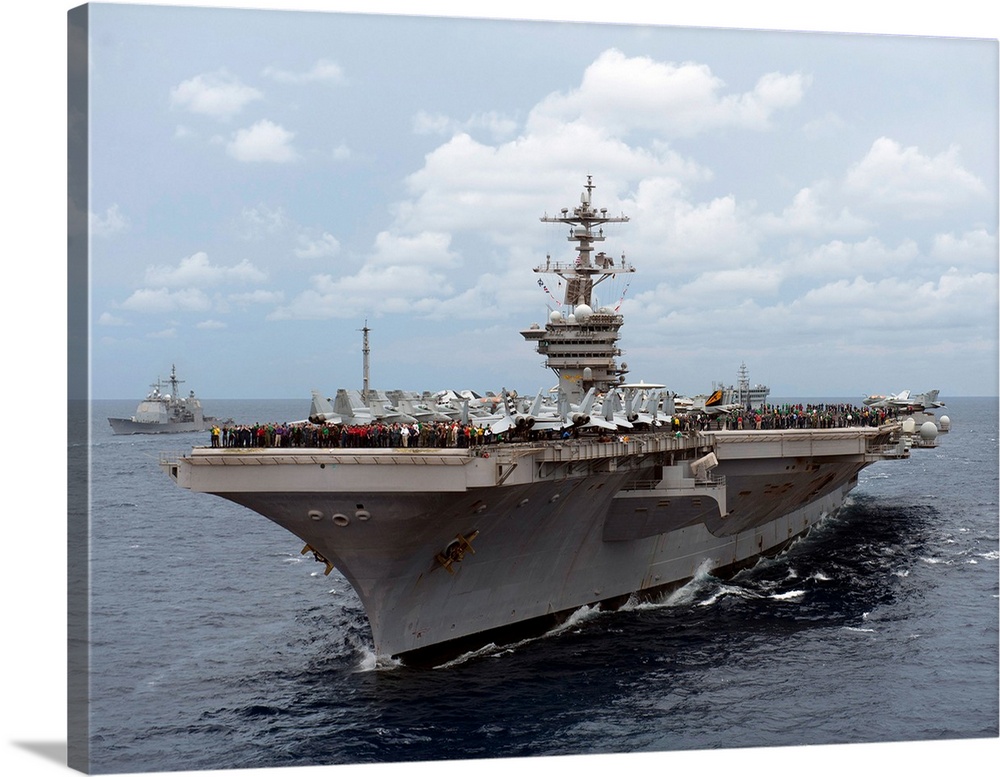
(574, 621)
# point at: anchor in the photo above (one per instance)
(456, 550)
(319, 557)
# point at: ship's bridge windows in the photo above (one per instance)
(600, 355)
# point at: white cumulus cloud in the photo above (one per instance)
(219, 95)
(164, 300)
(427, 249)
(627, 93)
(976, 249)
(314, 248)
(265, 141)
(911, 183)
(197, 270)
(409, 290)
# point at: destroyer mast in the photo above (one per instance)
(580, 347)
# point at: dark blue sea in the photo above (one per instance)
(216, 645)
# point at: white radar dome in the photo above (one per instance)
(928, 431)
(555, 316)
(945, 423)
(583, 312)
(909, 426)
(571, 319)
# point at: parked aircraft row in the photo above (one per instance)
(636, 404)
(906, 401)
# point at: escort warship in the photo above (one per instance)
(604, 500)
(166, 412)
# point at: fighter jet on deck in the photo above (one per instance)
(905, 401)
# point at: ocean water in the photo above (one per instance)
(216, 645)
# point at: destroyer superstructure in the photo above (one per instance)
(450, 548)
(753, 397)
(164, 412)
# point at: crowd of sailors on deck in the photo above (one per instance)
(795, 416)
(455, 434)
(375, 435)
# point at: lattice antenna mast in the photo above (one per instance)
(588, 269)
(173, 381)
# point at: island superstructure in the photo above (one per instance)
(450, 549)
(581, 347)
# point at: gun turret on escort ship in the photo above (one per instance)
(450, 549)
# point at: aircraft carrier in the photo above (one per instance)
(451, 549)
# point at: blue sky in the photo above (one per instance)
(820, 206)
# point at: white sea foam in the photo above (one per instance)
(492, 650)
(798, 594)
(370, 661)
(686, 594)
(728, 590)
(486, 650)
(582, 615)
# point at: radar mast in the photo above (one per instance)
(580, 348)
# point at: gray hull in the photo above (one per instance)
(447, 548)
(128, 426)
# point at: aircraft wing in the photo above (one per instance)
(602, 423)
